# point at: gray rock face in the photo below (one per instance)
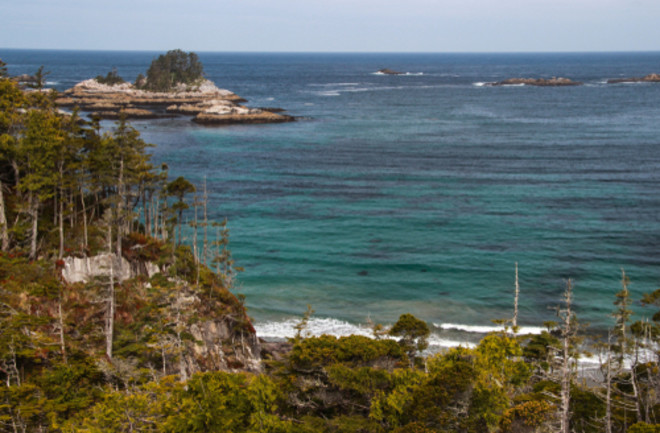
(86, 269)
(220, 346)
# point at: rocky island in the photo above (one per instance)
(205, 102)
(166, 93)
(651, 78)
(540, 82)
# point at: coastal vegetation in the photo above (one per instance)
(155, 340)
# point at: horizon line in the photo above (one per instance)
(333, 52)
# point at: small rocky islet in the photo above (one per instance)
(204, 101)
(539, 82)
(650, 78)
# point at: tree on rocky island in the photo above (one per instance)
(111, 78)
(174, 67)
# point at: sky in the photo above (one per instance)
(333, 25)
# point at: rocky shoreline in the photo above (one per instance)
(206, 103)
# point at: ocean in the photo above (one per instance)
(418, 193)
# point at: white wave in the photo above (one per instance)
(402, 74)
(328, 93)
(485, 329)
(338, 328)
(479, 84)
(52, 83)
(513, 85)
(436, 342)
(315, 327)
(333, 84)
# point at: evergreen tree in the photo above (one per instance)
(179, 188)
(172, 68)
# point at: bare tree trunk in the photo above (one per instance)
(155, 212)
(61, 325)
(515, 303)
(147, 212)
(61, 226)
(34, 213)
(205, 251)
(566, 366)
(608, 384)
(635, 385)
(110, 315)
(120, 207)
(195, 248)
(4, 227)
(183, 372)
(84, 212)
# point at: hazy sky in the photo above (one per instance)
(333, 25)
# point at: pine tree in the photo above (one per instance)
(179, 188)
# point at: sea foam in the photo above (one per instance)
(280, 330)
(485, 329)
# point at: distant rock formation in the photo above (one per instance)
(542, 82)
(387, 71)
(650, 78)
(209, 104)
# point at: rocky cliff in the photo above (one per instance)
(219, 333)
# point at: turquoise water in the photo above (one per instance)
(418, 193)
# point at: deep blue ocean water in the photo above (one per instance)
(418, 193)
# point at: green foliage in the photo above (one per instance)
(39, 78)
(413, 332)
(540, 350)
(317, 352)
(642, 427)
(527, 415)
(3, 69)
(111, 78)
(173, 68)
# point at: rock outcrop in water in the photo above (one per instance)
(387, 71)
(541, 82)
(207, 103)
(651, 78)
